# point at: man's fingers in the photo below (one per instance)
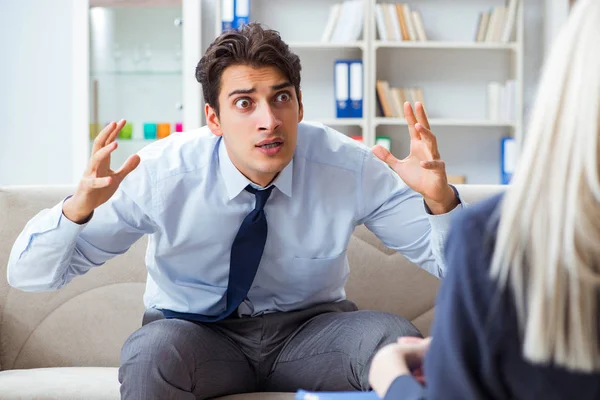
(105, 134)
(113, 135)
(411, 120)
(101, 155)
(384, 155)
(421, 115)
(129, 165)
(434, 165)
(99, 183)
(430, 139)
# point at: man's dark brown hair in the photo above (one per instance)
(249, 45)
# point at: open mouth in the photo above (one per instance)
(270, 145)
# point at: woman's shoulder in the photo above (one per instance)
(473, 231)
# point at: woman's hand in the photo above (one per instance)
(401, 358)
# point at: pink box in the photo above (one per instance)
(179, 127)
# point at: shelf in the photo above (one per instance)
(135, 3)
(449, 122)
(326, 46)
(133, 141)
(135, 73)
(339, 121)
(445, 45)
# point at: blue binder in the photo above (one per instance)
(508, 159)
(348, 88)
(356, 89)
(342, 88)
(242, 13)
(234, 13)
(227, 15)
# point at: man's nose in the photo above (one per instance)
(268, 120)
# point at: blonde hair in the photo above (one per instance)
(548, 245)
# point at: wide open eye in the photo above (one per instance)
(243, 103)
(283, 97)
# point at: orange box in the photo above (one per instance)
(163, 130)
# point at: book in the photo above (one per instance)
(508, 159)
(334, 15)
(511, 18)
(412, 33)
(242, 13)
(397, 103)
(356, 88)
(387, 17)
(420, 28)
(484, 20)
(227, 15)
(457, 179)
(395, 22)
(383, 88)
(401, 18)
(419, 95)
(342, 88)
(357, 22)
(306, 395)
(380, 21)
(400, 95)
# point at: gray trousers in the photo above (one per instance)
(328, 348)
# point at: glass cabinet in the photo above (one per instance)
(136, 71)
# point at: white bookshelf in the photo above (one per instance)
(452, 69)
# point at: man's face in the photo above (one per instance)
(259, 116)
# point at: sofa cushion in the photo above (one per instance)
(78, 383)
(60, 383)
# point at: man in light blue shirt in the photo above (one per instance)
(248, 220)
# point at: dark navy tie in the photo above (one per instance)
(246, 252)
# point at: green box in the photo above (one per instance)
(127, 131)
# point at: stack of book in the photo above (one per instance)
(501, 101)
(497, 25)
(391, 100)
(345, 22)
(397, 22)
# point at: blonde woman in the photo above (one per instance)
(517, 315)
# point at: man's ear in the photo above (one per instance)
(300, 107)
(212, 120)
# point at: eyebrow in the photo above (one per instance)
(274, 88)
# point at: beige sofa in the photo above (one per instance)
(66, 344)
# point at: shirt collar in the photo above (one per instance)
(235, 181)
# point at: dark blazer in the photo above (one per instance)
(476, 348)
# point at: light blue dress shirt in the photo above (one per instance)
(189, 198)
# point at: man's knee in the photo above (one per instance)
(165, 343)
(367, 332)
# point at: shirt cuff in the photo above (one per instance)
(441, 222)
(68, 227)
(405, 387)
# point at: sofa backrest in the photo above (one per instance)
(86, 322)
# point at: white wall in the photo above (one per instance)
(35, 91)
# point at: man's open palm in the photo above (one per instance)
(422, 170)
(99, 182)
